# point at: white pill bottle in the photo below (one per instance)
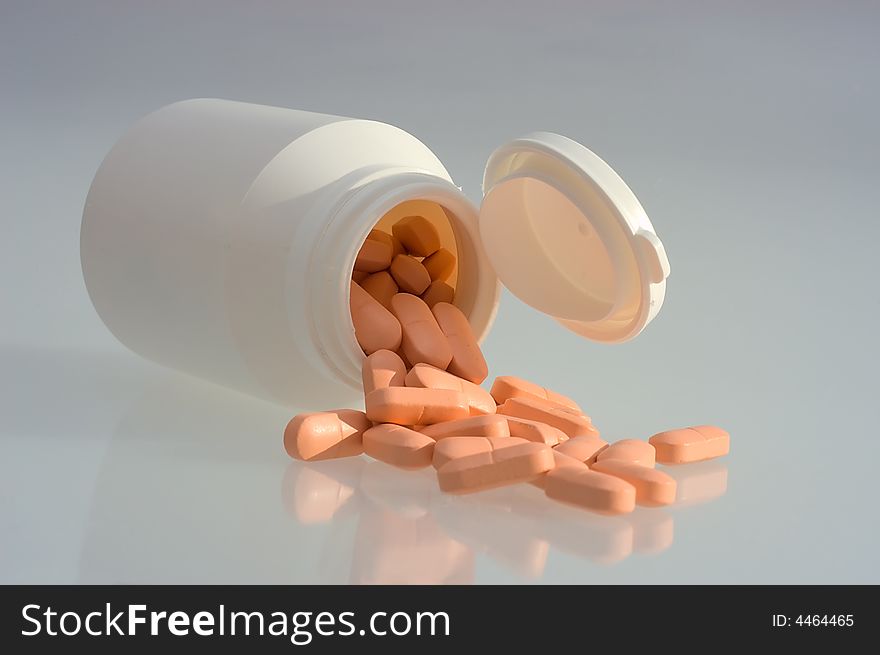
(219, 238)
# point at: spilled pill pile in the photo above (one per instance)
(425, 406)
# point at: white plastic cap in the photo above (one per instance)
(567, 236)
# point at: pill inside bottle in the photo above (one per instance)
(422, 233)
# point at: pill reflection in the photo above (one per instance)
(315, 494)
(404, 493)
(698, 483)
(653, 531)
(409, 532)
(391, 549)
(398, 541)
(487, 523)
(574, 531)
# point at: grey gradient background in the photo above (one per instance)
(749, 131)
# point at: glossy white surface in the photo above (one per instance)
(749, 135)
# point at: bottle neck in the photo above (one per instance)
(331, 263)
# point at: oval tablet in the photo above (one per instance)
(409, 274)
(440, 265)
(489, 425)
(509, 386)
(583, 449)
(380, 235)
(383, 369)
(592, 490)
(381, 286)
(438, 292)
(325, 435)
(467, 359)
(457, 447)
(718, 440)
(497, 468)
(418, 235)
(374, 255)
(630, 450)
(375, 328)
(398, 446)
(412, 406)
(452, 448)
(690, 444)
(422, 340)
(399, 352)
(653, 487)
(397, 247)
(535, 431)
(535, 410)
(559, 460)
(425, 375)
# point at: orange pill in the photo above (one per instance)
(409, 274)
(325, 435)
(679, 446)
(467, 359)
(403, 358)
(440, 265)
(690, 444)
(568, 410)
(653, 487)
(509, 386)
(383, 369)
(489, 425)
(422, 339)
(535, 431)
(380, 235)
(374, 255)
(418, 235)
(452, 448)
(630, 450)
(425, 375)
(446, 450)
(559, 459)
(359, 276)
(397, 247)
(536, 410)
(497, 468)
(413, 406)
(381, 286)
(398, 446)
(591, 490)
(583, 449)
(718, 440)
(375, 328)
(438, 292)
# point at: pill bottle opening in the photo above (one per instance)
(455, 241)
(437, 216)
(378, 205)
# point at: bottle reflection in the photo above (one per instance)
(410, 532)
(187, 490)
